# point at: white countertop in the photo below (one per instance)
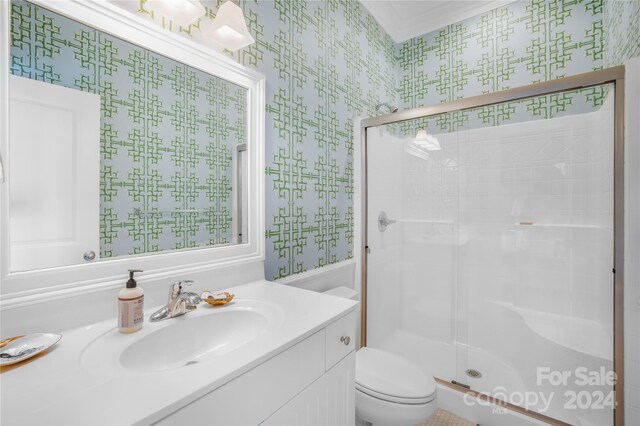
(59, 387)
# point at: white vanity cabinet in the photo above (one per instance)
(330, 400)
(310, 383)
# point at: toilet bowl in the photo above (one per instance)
(390, 390)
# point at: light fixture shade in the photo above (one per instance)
(182, 12)
(427, 141)
(422, 137)
(416, 151)
(229, 27)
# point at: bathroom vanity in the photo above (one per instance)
(275, 355)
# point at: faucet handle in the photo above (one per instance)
(183, 282)
(176, 288)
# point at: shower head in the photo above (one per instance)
(391, 109)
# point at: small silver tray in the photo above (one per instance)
(22, 348)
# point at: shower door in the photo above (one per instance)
(490, 235)
(413, 261)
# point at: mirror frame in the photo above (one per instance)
(111, 19)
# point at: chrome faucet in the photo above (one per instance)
(179, 302)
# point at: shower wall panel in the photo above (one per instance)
(536, 252)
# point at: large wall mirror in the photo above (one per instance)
(120, 149)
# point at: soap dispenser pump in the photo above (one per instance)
(131, 305)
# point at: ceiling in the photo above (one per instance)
(405, 19)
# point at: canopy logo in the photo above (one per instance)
(583, 389)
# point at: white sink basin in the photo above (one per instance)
(202, 335)
(187, 342)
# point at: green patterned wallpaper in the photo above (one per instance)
(622, 31)
(167, 131)
(522, 43)
(317, 58)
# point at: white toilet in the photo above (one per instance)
(390, 390)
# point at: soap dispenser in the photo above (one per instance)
(131, 306)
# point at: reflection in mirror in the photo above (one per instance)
(116, 150)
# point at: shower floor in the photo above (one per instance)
(448, 361)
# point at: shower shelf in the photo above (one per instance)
(435, 222)
(558, 225)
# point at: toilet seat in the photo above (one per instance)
(395, 399)
(391, 378)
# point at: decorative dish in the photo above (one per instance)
(19, 348)
(216, 299)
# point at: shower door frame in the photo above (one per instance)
(615, 76)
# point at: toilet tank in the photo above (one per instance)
(344, 292)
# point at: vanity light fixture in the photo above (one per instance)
(427, 141)
(230, 28)
(182, 12)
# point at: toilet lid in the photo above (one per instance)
(392, 378)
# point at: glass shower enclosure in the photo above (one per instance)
(491, 236)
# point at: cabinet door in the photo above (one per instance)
(330, 400)
(54, 175)
(340, 338)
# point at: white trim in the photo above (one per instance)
(358, 161)
(631, 326)
(122, 24)
(4, 129)
(166, 276)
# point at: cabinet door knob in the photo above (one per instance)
(346, 340)
(89, 255)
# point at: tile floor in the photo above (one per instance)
(446, 418)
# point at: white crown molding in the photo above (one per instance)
(406, 19)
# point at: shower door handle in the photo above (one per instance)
(384, 221)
